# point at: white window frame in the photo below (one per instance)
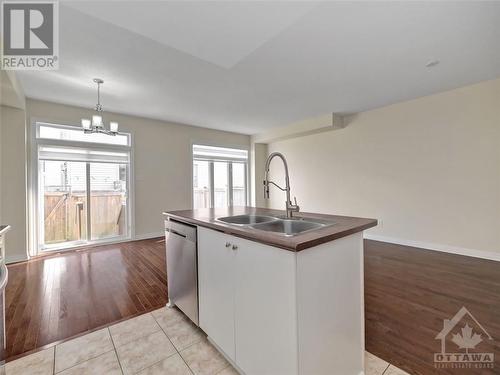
(34, 204)
(211, 161)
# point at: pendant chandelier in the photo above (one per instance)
(96, 125)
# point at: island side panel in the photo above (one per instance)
(330, 307)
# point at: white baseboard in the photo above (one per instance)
(15, 258)
(147, 236)
(490, 255)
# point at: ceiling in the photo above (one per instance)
(250, 66)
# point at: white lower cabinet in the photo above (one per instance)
(216, 273)
(265, 310)
(248, 302)
(278, 312)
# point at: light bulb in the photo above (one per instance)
(113, 127)
(97, 121)
(85, 124)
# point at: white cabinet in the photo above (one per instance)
(216, 288)
(278, 312)
(265, 313)
(247, 302)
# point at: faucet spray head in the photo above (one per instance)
(266, 189)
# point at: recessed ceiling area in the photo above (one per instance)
(250, 66)
(222, 33)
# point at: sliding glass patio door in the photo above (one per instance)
(82, 202)
(82, 194)
(108, 200)
(63, 197)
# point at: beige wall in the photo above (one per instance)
(13, 180)
(258, 161)
(428, 169)
(162, 162)
(11, 92)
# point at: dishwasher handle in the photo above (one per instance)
(173, 231)
(185, 231)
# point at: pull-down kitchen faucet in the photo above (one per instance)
(290, 208)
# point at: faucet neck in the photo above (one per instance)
(289, 206)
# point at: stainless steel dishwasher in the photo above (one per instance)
(182, 270)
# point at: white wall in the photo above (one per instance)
(428, 169)
(162, 163)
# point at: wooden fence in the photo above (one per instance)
(65, 215)
(201, 197)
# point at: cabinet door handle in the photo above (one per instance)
(228, 244)
(235, 247)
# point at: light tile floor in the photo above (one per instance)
(162, 342)
(376, 366)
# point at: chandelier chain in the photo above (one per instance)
(98, 106)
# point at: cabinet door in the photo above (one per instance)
(265, 310)
(216, 270)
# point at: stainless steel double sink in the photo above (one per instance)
(279, 225)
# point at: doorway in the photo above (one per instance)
(82, 191)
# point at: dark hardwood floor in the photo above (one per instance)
(52, 298)
(408, 294)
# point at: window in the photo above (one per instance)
(82, 187)
(71, 133)
(219, 176)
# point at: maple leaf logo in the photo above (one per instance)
(467, 340)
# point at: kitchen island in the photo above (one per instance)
(281, 304)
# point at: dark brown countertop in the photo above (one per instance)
(344, 226)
